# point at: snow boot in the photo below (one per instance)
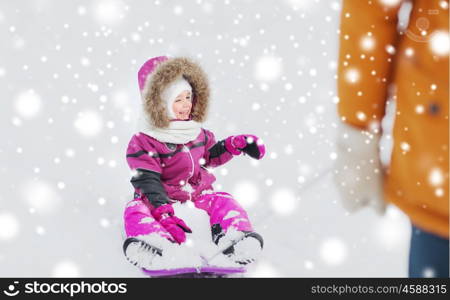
(243, 247)
(140, 253)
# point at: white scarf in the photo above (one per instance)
(178, 132)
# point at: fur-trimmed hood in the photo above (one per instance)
(157, 73)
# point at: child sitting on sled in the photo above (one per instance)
(170, 157)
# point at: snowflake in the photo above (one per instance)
(390, 2)
(367, 43)
(333, 251)
(247, 193)
(9, 226)
(66, 269)
(435, 177)
(440, 43)
(28, 104)
(268, 68)
(283, 202)
(88, 123)
(352, 75)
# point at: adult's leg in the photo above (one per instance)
(429, 255)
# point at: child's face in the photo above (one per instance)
(182, 105)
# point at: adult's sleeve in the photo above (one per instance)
(368, 38)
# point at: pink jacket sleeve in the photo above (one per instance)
(141, 155)
(216, 154)
(143, 158)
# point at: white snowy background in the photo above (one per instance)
(69, 104)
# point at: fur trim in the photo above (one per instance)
(165, 73)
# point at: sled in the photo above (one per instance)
(202, 271)
(196, 272)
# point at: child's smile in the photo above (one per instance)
(182, 105)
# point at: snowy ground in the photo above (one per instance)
(69, 88)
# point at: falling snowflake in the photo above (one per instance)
(28, 104)
(440, 43)
(352, 75)
(109, 12)
(333, 251)
(309, 265)
(390, 2)
(40, 196)
(66, 269)
(247, 193)
(284, 202)
(439, 192)
(405, 147)
(409, 52)
(429, 272)
(367, 43)
(9, 226)
(268, 68)
(436, 177)
(88, 123)
(420, 109)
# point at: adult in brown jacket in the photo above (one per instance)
(378, 60)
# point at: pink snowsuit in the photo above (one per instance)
(169, 173)
(166, 172)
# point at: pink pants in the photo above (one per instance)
(224, 212)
